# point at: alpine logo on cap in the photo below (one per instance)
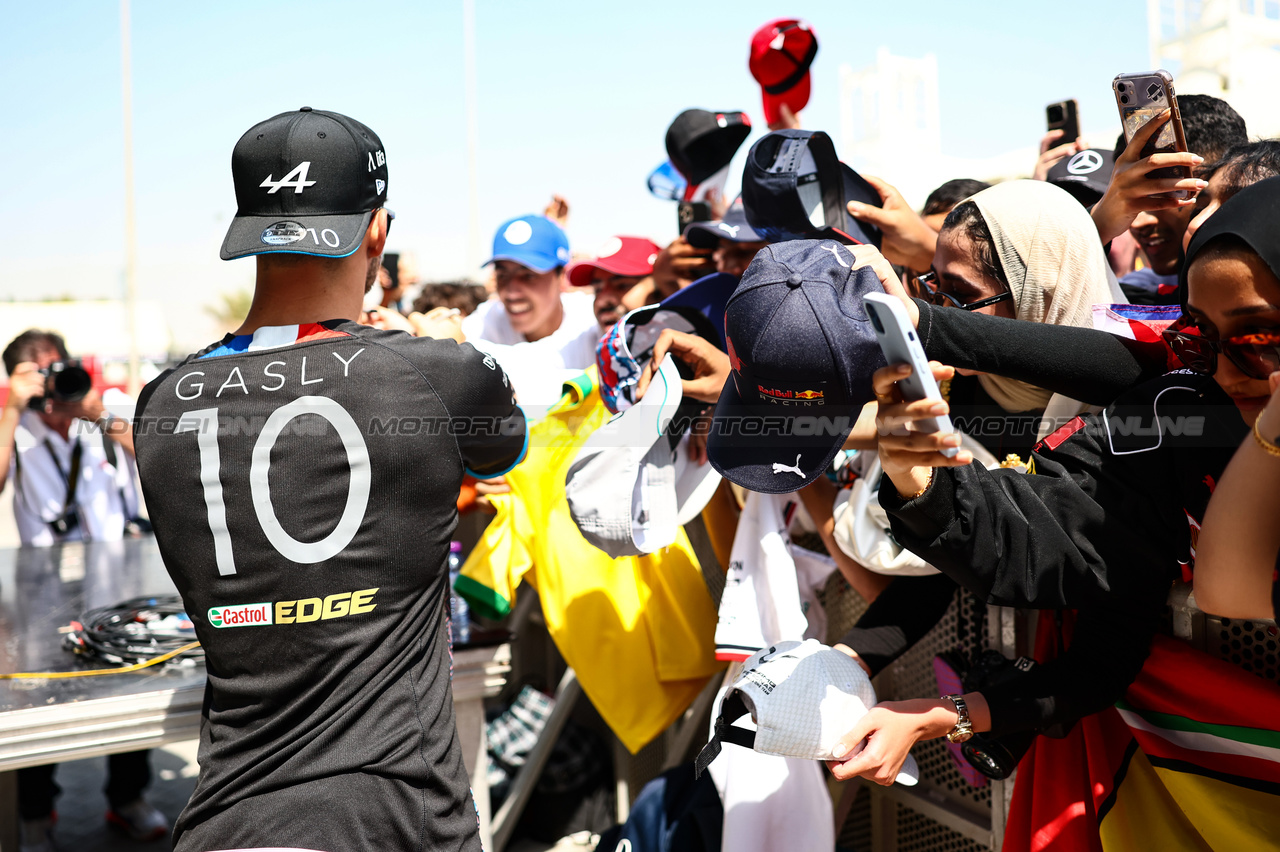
(283, 233)
(296, 179)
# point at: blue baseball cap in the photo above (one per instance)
(532, 241)
(802, 350)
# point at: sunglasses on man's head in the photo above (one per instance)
(927, 289)
(1257, 355)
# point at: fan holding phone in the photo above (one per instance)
(1153, 190)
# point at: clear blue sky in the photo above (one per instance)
(574, 97)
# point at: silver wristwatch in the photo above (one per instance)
(964, 728)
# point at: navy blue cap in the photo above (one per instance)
(802, 351)
(708, 295)
(734, 226)
(532, 241)
(795, 188)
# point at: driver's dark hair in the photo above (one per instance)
(968, 218)
(946, 197)
(26, 346)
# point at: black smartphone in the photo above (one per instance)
(391, 262)
(689, 212)
(1064, 116)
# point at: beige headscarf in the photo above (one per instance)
(1053, 260)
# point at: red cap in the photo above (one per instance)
(781, 53)
(631, 257)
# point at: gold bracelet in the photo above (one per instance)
(1267, 446)
(929, 481)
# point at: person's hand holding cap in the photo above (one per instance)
(907, 240)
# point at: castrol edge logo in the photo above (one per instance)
(301, 611)
(243, 615)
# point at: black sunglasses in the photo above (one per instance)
(927, 286)
(1257, 355)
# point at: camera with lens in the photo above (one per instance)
(997, 756)
(64, 381)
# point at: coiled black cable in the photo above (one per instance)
(126, 633)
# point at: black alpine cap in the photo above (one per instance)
(701, 143)
(307, 182)
(795, 187)
(802, 351)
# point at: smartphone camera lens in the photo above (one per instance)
(875, 318)
(1124, 99)
(1055, 114)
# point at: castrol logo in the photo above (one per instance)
(242, 615)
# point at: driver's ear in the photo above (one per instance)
(376, 236)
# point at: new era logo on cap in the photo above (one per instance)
(307, 182)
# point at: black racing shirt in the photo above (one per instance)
(1104, 523)
(303, 486)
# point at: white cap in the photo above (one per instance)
(628, 489)
(803, 697)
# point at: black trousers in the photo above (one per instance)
(127, 775)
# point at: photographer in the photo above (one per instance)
(61, 448)
(69, 484)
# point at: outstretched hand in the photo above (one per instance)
(889, 280)
(908, 457)
(1132, 191)
(1051, 153)
(710, 365)
(908, 241)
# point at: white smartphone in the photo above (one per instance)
(900, 345)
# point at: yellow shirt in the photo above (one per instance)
(639, 631)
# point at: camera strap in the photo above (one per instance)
(71, 478)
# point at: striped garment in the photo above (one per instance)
(1188, 760)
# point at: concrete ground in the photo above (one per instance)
(81, 827)
(81, 807)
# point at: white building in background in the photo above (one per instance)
(1225, 48)
(890, 127)
(889, 120)
(890, 123)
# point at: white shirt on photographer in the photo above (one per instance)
(104, 498)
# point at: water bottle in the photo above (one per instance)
(458, 613)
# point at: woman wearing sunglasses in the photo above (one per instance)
(1025, 251)
(1111, 512)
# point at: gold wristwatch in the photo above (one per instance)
(964, 728)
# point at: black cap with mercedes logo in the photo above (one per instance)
(1085, 174)
(307, 182)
